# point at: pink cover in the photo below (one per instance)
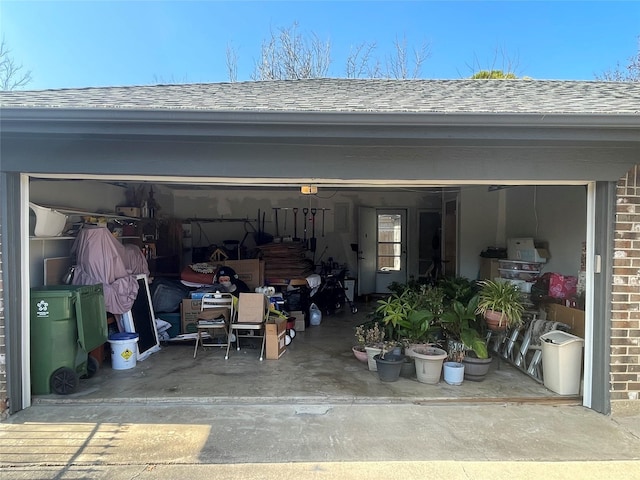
(100, 258)
(561, 286)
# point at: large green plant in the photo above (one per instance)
(459, 321)
(411, 313)
(502, 297)
(457, 288)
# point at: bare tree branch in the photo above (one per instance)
(358, 60)
(232, 63)
(289, 55)
(398, 64)
(628, 73)
(11, 74)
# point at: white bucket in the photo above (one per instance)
(124, 350)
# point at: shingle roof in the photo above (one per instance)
(350, 95)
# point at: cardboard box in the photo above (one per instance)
(571, 316)
(189, 311)
(489, 268)
(299, 314)
(276, 328)
(527, 250)
(250, 271)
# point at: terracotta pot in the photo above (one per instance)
(493, 321)
(360, 354)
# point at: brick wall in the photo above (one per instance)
(625, 318)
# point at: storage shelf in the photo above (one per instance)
(52, 238)
(86, 213)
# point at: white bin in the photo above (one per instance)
(561, 362)
(124, 350)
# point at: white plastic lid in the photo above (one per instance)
(558, 337)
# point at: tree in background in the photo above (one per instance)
(12, 75)
(629, 73)
(493, 74)
(506, 71)
(289, 54)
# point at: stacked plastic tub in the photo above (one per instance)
(522, 274)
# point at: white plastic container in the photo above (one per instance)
(315, 315)
(124, 350)
(561, 362)
(49, 223)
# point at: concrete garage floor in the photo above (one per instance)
(318, 366)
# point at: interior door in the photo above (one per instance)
(391, 247)
(366, 250)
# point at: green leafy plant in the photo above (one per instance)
(410, 314)
(502, 297)
(458, 288)
(460, 323)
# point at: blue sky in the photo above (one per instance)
(97, 43)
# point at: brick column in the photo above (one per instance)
(625, 308)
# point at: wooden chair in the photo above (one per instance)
(216, 314)
(250, 321)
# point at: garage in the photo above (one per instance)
(486, 155)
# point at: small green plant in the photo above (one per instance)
(502, 297)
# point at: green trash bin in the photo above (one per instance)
(67, 322)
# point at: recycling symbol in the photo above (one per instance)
(43, 308)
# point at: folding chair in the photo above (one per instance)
(216, 313)
(250, 321)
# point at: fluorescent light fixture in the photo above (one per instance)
(308, 189)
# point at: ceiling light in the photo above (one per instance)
(308, 189)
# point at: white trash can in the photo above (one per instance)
(561, 362)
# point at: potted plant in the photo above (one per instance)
(410, 315)
(467, 346)
(460, 324)
(370, 338)
(500, 304)
(388, 363)
(358, 349)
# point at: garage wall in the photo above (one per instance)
(241, 203)
(478, 226)
(556, 215)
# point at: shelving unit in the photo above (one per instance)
(146, 233)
